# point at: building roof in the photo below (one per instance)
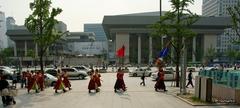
(143, 20)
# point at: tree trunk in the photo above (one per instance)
(41, 60)
(177, 68)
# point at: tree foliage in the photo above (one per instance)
(42, 24)
(5, 55)
(175, 23)
(235, 14)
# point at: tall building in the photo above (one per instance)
(3, 36)
(100, 38)
(219, 8)
(97, 29)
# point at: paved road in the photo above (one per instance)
(136, 96)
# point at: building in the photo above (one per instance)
(25, 47)
(97, 29)
(219, 8)
(83, 43)
(3, 36)
(132, 31)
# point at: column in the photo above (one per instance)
(139, 49)
(36, 50)
(150, 49)
(194, 50)
(15, 50)
(25, 48)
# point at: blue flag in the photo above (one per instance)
(163, 52)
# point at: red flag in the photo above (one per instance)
(121, 52)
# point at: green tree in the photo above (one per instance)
(235, 14)
(5, 55)
(175, 23)
(42, 24)
(232, 55)
(210, 55)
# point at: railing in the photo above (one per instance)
(227, 78)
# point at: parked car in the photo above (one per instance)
(139, 72)
(52, 72)
(7, 68)
(169, 75)
(49, 80)
(73, 72)
(7, 72)
(83, 68)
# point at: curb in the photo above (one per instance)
(213, 104)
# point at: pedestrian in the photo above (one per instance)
(92, 85)
(59, 84)
(97, 78)
(14, 79)
(23, 79)
(143, 79)
(190, 77)
(40, 80)
(6, 99)
(33, 83)
(119, 84)
(66, 81)
(160, 85)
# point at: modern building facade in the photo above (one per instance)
(132, 31)
(219, 8)
(97, 29)
(83, 43)
(3, 36)
(24, 43)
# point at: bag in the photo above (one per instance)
(12, 91)
(5, 92)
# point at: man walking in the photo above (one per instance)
(190, 79)
(143, 79)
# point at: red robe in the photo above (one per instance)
(59, 84)
(92, 84)
(120, 84)
(98, 80)
(66, 81)
(41, 81)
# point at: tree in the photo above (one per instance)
(175, 23)
(232, 55)
(235, 14)
(5, 55)
(42, 24)
(210, 54)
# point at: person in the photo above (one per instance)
(40, 80)
(97, 79)
(66, 81)
(14, 79)
(23, 79)
(92, 85)
(160, 85)
(190, 79)
(59, 84)
(6, 100)
(32, 84)
(119, 84)
(143, 79)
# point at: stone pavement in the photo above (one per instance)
(136, 96)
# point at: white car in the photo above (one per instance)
(7, 68)
(7, 72)
(49, 79)
(73, 72)
(169, 75)
(139, 72)
(83, 68)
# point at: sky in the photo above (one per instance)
(76, 13)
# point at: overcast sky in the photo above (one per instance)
(78, 12)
